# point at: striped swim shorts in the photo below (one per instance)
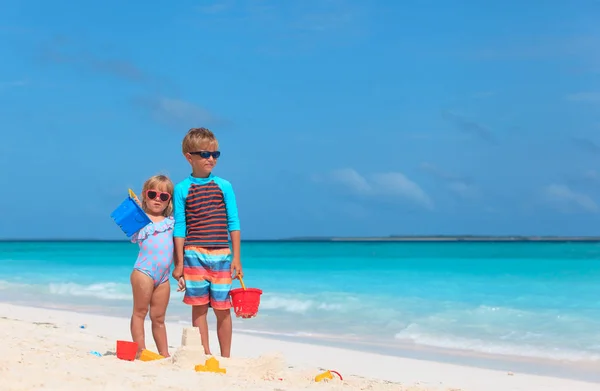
(207, 274)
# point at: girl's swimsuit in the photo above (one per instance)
(156, 250)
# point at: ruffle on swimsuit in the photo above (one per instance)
(152, 229)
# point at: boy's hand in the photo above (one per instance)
(181, 284)
(236, 269)
(177, 272)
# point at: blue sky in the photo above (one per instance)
(335, 117)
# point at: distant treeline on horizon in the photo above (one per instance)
(391, 238)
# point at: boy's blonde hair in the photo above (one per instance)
(159, 182)
(197, 139)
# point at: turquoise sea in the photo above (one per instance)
(531, 300)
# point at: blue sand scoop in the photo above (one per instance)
(130, 216)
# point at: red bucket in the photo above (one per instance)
(127, 350)
(245, 301)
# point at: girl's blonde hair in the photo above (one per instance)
(159, 182)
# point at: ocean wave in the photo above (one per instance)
(101, 290)
(70, 290)
(517, 348)
(413, 337)
(297, 305)
(547, 334)
(491, 329)
(299, 334)
(107, 290)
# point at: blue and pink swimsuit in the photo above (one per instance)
(156, 250)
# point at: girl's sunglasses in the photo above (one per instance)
(207, 154)
(152, 194)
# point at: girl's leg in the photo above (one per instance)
(158, 309)
(199, 320)
(142, 287)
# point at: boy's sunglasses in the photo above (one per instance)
(207, 154)
(152, 194)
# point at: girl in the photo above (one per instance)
(150, 275)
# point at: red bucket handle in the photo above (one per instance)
(337, 373)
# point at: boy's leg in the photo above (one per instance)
(196, 273)
(219, 297)
(199, 320)
(158, 309)
(224, 331)
(141, 287)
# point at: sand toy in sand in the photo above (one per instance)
(210, 365)
(147, 355)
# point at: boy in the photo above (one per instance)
(205, 211)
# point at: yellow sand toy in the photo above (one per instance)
(211, 365)
(327, 375)
(147, 355)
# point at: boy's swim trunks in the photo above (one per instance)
(207, 274)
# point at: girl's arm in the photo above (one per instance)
(180, 229)
(178, 257)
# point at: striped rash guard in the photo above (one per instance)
(205, 211)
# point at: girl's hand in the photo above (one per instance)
(181, 284)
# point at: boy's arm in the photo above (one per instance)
(233, 225)
(236, 263)
(233, 221)
(179, 231)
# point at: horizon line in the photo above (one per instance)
(389, 238)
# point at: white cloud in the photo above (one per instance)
(351, 179)
(177, 112)
(382, 184)
(12, 84)
(459, 185)
(464, 190)
(564, 196)
(300, 25)
(592, 175)
(396, 183)
(584, 97)
(216, 7)
(182, 110)
(484, 94)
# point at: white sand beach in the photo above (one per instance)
(49, 350)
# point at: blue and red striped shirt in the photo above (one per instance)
(205, 211)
